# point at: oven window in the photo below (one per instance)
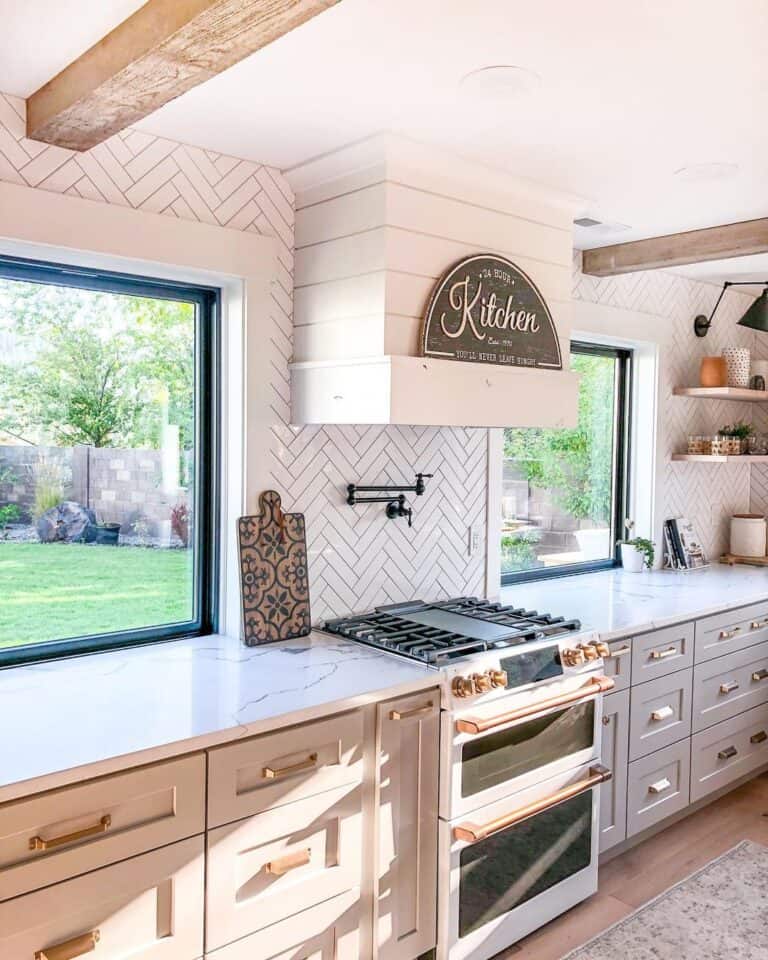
(515, 865)
(498, 757)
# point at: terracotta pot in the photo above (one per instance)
(713, 372)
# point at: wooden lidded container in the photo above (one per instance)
(713, 372)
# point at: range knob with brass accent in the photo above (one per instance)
(462, 687)
(572, 656)
(498, 678)
(482, 682)
(589, 651)
(603, 650)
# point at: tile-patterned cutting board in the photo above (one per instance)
(273, 573)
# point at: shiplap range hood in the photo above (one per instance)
(376, 225)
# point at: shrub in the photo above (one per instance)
(8, 514)
(51, 479)
(180, 522)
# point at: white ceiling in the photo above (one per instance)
(630, 93)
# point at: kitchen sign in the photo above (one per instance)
(486, 310)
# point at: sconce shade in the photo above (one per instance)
(757, 316)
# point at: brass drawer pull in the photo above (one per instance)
(727, 753)
(299, 859)
(475, 725)
(70, 949)
(272, 773)
(621, 652)
(757, 624)
(662, 713)
(472, 832)
(760, 737)
(662, 654)
(660, 786)
(729, 686)
(728, 634)
(37, 843)
(760, 675)
(416, 712)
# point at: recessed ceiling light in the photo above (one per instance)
(707, 172)
(501, 82)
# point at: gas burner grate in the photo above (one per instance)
(389, 628)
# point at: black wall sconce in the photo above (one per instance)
(394, 496)
(756, 317)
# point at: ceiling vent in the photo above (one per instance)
(586, 222)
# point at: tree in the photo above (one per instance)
(575, 465)
(93, 367)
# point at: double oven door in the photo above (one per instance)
(519, 814)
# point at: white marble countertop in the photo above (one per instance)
(618, 604)
(62, 721)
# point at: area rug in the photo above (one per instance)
(718, 913)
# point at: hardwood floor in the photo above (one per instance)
(641, 873)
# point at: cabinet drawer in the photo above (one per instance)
(329, 931)
(246, 778)
(730, 685)
(613, 753)
(278, 863)
(660, 713)
(733, 630)
(727, 751)
(662, 652)
(619, 665)
(63, 833)
(658, 786)
(146, 908)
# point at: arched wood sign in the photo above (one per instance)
(486, 310)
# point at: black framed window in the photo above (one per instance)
(109, 454)
(565, 492)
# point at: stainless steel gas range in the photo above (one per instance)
(520, 771)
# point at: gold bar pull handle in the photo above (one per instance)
(727, 753)
(729, 634)
(409, 714)
(37, 843)
(620, 652)
(272, 773)
(76, 947)
(663, 654)
(760, 737)
(729, 686)
(472, 832)
(662, 713)
(759, 675)
(290, 862)
(660, 786)
(758, 624)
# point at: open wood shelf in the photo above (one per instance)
(708, 458)
(742, 394)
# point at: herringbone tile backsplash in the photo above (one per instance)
(357, 557)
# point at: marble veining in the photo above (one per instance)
(618, 604)
(66, 718)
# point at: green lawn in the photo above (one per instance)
(58, 590)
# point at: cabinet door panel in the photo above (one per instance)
(615, 756)
(407, 810)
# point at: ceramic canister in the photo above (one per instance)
(713, 372)
(748, 535)
(737, 364)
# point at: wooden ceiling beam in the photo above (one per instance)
(164, 49)
(677, 249)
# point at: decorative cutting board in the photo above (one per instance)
(273, 573)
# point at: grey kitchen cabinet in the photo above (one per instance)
(615, 756)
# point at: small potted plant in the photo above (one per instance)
(636, 552)
(736, 436)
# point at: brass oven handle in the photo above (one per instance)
(475, 725)
(760, 737)
(37, 843)
(727, 753)
(662, 654)
(272, 773)
(728, 634)
(729, 686)
(757, 624)
(472, 832)
(760, 674)
(621, 652)
(70, 949)
(299, 859)
(416, 712)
